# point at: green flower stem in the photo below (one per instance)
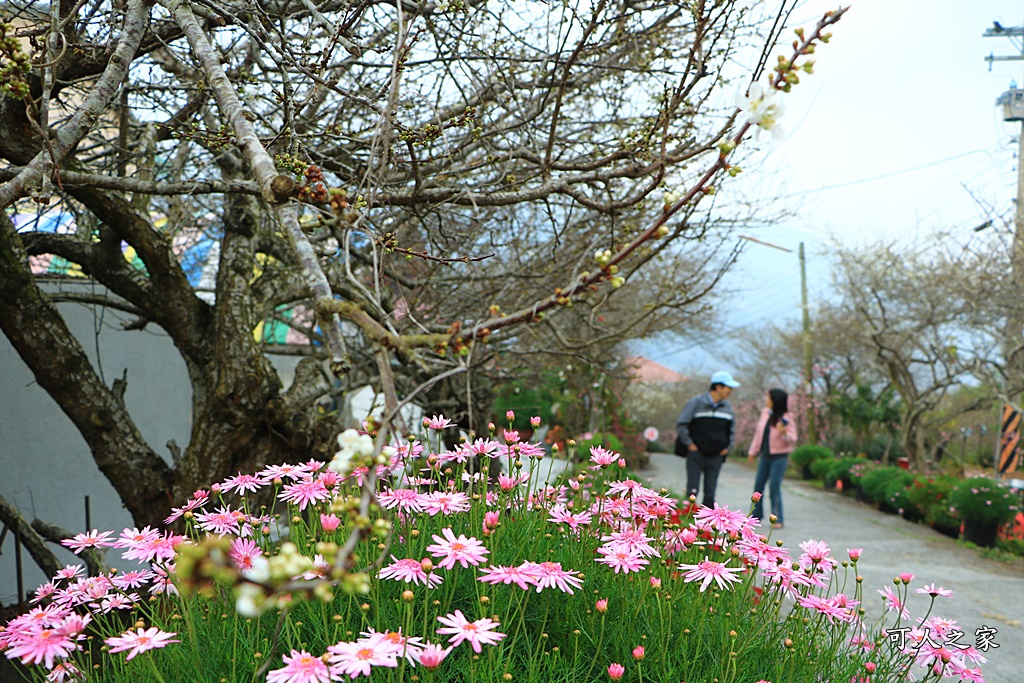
(597, 649)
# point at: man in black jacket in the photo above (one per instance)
(707, 429)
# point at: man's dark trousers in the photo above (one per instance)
(698, 463)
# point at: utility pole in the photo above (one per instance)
(812, 423)
(1013, 110)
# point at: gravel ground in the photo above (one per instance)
(985, 592)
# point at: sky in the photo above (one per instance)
(896, 136)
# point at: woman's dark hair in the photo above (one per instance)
(780, 405)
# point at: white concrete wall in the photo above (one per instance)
(46, 468)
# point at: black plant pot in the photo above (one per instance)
(887, 508)
(805, 472)
(912, 516)
(865, 498)
(951, 531)
(830, 483)
(981, 533)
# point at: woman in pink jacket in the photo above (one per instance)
(774, 439)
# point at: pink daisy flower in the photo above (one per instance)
(445, 502)
(358, 658)
(721, 518)
(491, 449)
(602, 457)
(223, 521)
(431, 656)
(282, 472)
(708, 571)
(551, 575)
(65, 671)
(561, 515)
(629, 487)
(479, 632)
(140, 641)
(632, 540)
(831, 609)
(621, 559)
(241, 483)
(199, 500)
(133, 579)
(465, 551)
(410, 571)
(69, 571)
(163, 583)
(411, 646)
(784, 576)
(44, 591)
(243, 552)
(525, 575)
(935, 591)
(436, 422)
(507, 483)
(132, 538)
(93, 539)
(531, 450)
(892, 602)
(329, 522)
(301, 667)
(41, 645)
(304, 492)
(406, 500)
(118, 601)
(815, 552)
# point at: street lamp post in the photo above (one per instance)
(812, 426)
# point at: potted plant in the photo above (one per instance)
(856, 474)
(907, 501)
(930, 495)
(892, 492)
(822, 469)
(984, 505)
(842, 467)
(804, 455)
(878, 485)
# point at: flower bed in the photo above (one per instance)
(979, 509)
(404, 564)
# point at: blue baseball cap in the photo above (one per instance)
(723, 377)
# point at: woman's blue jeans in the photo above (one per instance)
(770, 470)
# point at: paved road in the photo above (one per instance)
(985, 592)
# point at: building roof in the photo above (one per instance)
(647, 371)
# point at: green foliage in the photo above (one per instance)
(859, 470)
(865, 408)
(875, 446)
(1013, 546)
(900, 499)
(822, 468)
(844, 443)
(549, 636)
(808, 453)
(840, 469)
(892, 493)
(609, 441)
(985, 501)
(930, 495)
(526, 398)
(876, 483)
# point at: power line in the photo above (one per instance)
(883, 176)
